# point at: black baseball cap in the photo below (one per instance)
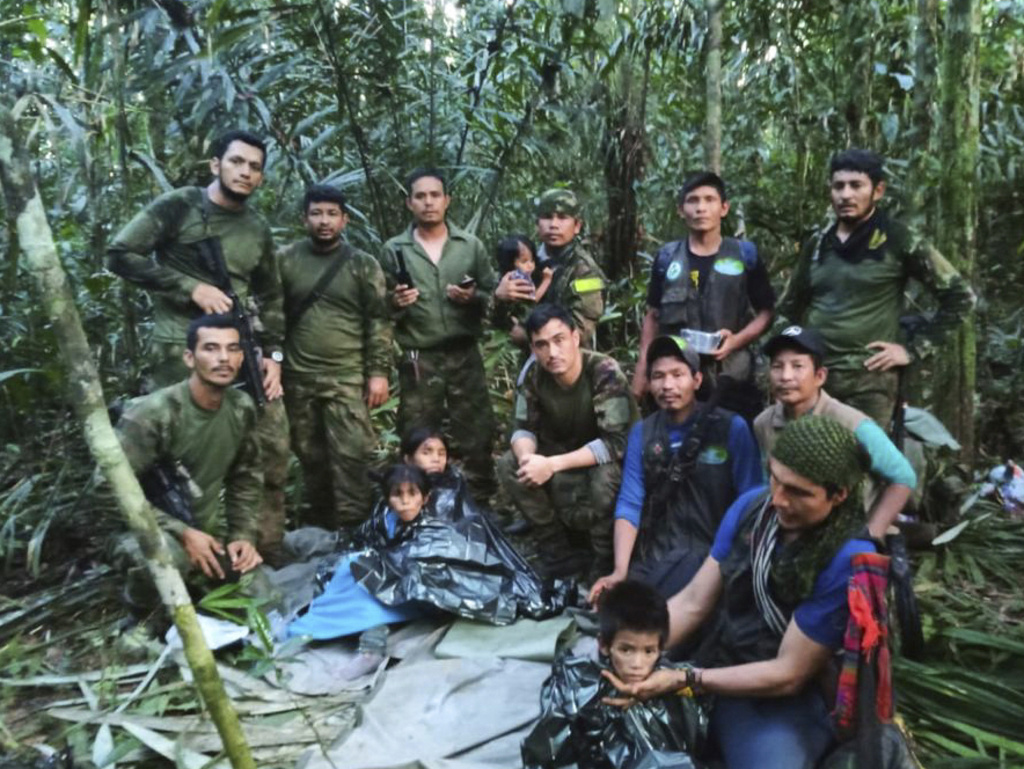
(796, 338)
(676, 347)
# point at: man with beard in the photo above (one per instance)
(337, 359)
(159, 251)
(849, 285)
(564, 467)
(685, 464)
(204, 428)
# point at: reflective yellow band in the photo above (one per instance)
(586, 285)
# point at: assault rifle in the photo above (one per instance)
(170, 488)
(211, 260)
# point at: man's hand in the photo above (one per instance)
(243, 556)
(210, 299)
(657, 684)
(513, 289)
(376, 391)
(727, 346)
(890, 355)
(639, 386)
(535, 470)
(404, 296)
(610, 580)
(202, 551)
(460, 295)
(272, 379)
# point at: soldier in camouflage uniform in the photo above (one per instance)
(337, 358)
(440, 283)
(564, 468)
(157, 251)
(210, 429)
(849, 286)
(578, 283)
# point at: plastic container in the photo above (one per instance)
(703, 342)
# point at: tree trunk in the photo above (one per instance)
(41, 262)
(954, 381)
(922, 120)
(713, 76)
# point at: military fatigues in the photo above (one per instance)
(441, 372)
(221, 453)
(170, 226)
(597, 412)
(577, 284)
(852, 294)
(340, 341)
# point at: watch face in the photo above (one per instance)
(277, 357)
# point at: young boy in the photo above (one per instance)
(577, 727)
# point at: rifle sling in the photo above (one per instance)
(320, 286)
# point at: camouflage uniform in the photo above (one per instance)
(578, 283)
(852, 302)
(169, 227)
(340, 341)
(221, 453)
(441, 372)
(596, 412)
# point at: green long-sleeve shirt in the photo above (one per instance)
(852, 303)
(434, 319)
(219, 449)
(346, 332)
(156, 251)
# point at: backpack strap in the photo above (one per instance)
(320, 286)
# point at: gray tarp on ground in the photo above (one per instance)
(443, 714)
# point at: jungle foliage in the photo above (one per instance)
(616, 98)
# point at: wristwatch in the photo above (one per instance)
(277, 356)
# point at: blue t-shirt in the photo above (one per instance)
(822, 617)
(747, 471)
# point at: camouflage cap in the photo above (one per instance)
(557, 201)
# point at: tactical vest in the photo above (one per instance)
(742, 634)
(686, 521)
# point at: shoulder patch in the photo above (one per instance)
(587, 285)
(730, 266)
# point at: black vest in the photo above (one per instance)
(680, 517)
(742, 634)
(722, 303)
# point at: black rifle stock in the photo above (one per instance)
(211, 259)
(169, 488)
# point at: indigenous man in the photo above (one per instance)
(710, 283)
(337, 358)
(685, 465)
(578, 282)
(778, 573)
(440, 280)
(170, 229)
(564, 467)
(797, 379)
(849, 284)
(207, 429)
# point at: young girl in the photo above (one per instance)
(345, 606)
(517, 254)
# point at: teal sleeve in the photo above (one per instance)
(886, 460)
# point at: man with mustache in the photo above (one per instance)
(159, 251)
(564, 468)
(337, 359)
(206, 430)
(849, 286)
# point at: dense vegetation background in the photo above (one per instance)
(619, 99)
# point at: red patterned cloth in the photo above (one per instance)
(866, 645)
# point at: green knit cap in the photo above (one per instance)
(821, 450)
